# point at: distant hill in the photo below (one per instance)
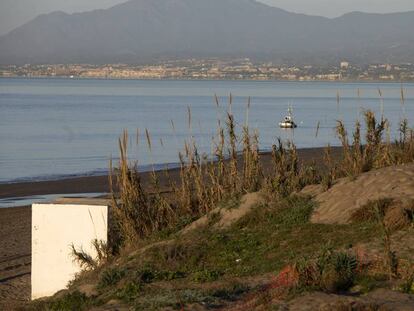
(147, 30)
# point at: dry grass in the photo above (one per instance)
(137, 213)
(376, 152)
(203, 182)
(87, 261)
(235, 169)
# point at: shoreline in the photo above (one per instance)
(238, 80)
(100, 184)
(94, 173)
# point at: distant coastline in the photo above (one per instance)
(214, 69)
(209, 79)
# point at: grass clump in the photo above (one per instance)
(69, 302)
(337, 271)
(288, 175)
(149, 275)
(369, 212)
(292, 211)
(206, 276)
(374, 152)
(111, 277)
(130, 292)
(330, 271)
(137, 214)
(89, 262)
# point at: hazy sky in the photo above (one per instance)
(14, 13)
(334, 8)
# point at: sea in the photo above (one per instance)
(60, 128)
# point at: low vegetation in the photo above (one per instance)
(273, 252)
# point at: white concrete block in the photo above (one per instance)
(55, 227)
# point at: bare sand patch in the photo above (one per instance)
(380, 299)
(227, 217)
(338, 203)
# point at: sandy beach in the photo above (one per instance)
(15, 256)
(15, 223)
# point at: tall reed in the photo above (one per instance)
(235, 168)
(377, 152)
(137, 213)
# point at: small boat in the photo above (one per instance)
(288, 122)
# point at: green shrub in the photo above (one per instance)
(330, 271)
(297, 211)
(149, 275)
(75, 301)
(337, 270)
(111, 277)
(206, 276)
(130, 292)
(285, 214)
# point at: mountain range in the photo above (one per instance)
(140, 31)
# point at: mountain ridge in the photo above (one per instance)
(143, 31)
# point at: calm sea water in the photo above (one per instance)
(52, 128)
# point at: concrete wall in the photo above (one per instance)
(55, 227)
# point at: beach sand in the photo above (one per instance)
(15, 256)
(15, 223)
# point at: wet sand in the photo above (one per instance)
(99, 184)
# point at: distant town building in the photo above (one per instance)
(344, 65)
(330, 76)
(218, 69)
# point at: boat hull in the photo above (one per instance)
(287, 125)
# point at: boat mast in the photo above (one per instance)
(290, 110)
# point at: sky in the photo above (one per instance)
(14, 13)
